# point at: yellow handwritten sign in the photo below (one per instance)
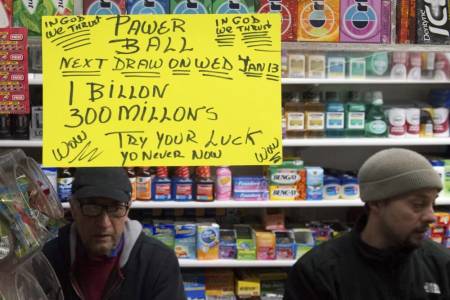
(167, 90)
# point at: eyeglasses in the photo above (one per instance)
(95, 210)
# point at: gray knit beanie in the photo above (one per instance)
(393, 172)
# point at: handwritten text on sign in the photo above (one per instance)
(162, 90)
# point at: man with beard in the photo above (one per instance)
(386, 256)
(103, 254)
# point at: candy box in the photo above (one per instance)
(288, 10)
(190, 6)
(246, 246)
(147, 7)
(285, 244)
(227, 244)
(318, 20)
(265, 245)
(360, 21)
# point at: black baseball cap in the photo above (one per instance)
(112, 183)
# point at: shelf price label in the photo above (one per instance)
(162, 90)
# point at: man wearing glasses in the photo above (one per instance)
(103, 254)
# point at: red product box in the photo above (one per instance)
(14, 91)
(403, 30)
(289, 12)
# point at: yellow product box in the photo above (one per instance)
(318, 20)
(248, 285)
(283, 192)
(219, 283)
(208, 241)
(265, 245)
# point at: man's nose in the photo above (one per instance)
(429, 217)
(104, 220)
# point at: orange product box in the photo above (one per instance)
(219, 282)
(318, 20)
(265, 245)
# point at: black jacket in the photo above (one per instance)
(148, 269)
(349, 269)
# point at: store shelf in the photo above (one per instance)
(253, 204)
(231, 263)
(354, 47)
(388, 81)
(433, 141)
(34, 79)
(20, 143)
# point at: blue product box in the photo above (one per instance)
(185, 240)
(194, 286)
(314, 183)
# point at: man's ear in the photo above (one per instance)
(375, 206)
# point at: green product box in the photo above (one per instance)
(191, 6)
(246, 246)
(233, 6)
(28, 13)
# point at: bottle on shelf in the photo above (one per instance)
(397, 122)
(143, 184)
(204, 184)
(426, 123)
(182, 185)
(314, 115)
(223, 183)
(376, 125)
(65, 177)
(335, 115)
(131, 172)
(162, 185)
(294, 111)
(355, 111)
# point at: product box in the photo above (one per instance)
(304, 241)
(336, 67)
(265, 245)
(296, 66)
(104, 7)
(219, 282)
(288, 181)
(318, 20)
(28, 14)
(194, 285)
(52, 174)
(246, 247)
(272, 284)
(247, 284)
(360, 21)
(314, 183)
(316, 66)
(208, 237)
(250, 188)
(6, 13)
(185, 240)
(433, 22)
(148, 7)
(286, 247)
(284, 192)
(164, 231)
(227, 244)
(288, 10)
(357, 68)
(233, 7)
(403, 20)
(386, 24)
